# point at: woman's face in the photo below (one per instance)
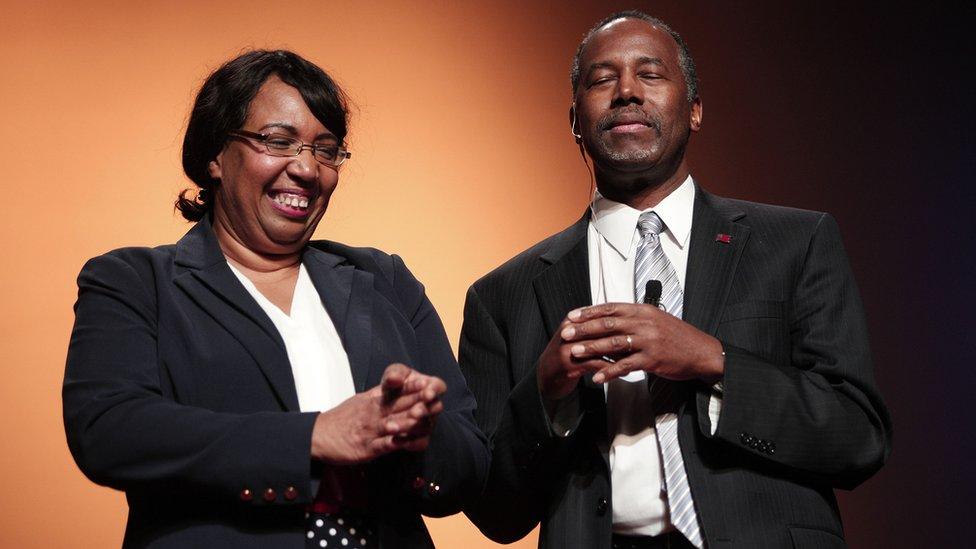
(272, 204)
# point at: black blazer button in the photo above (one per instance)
(744, 438)
(601, 506)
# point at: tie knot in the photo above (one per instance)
(649, 223)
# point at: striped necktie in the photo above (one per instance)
(651, 264)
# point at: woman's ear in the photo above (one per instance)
(213, 167)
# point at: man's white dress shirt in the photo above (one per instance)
(640, 507)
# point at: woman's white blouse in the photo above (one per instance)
(318, 360)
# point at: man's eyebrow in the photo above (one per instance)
(645, 60)
(642, 60)
(599, 65)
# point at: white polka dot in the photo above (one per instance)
(310, 534)
(306, 515)
(363, 542)
(341, 522)
(352, 531)
(319, 523)
(323, 543)
(345, 541)
(331, 531)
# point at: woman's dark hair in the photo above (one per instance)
(221, 107)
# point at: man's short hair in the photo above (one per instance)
(684, 56)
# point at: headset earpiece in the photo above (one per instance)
(574, 128)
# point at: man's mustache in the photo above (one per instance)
(635, 115)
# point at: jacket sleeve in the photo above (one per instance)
(126, 434)
(526, 452)
(821, 415)
(449, 474)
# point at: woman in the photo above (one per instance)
(248, 387)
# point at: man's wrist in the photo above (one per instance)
(714, 370)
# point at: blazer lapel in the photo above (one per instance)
(717, 242)
(210, 283)
(347, 294)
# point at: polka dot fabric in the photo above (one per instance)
(339, 531)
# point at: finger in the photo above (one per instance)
(435, 388)
(402, 423)
(403, 402)
(614, 371)
(435, 408)
(406, 420)
(394, 377)
(596, 311)
(417, 411)
(616, 346)
(598, 327)
(421, 429)
(416, 383)
(585, 366)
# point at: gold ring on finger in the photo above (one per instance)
(630, 344)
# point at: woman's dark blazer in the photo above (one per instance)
(178, 390)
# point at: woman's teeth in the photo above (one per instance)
(293, 200)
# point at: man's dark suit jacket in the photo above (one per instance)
(800, 411)
(178, 390)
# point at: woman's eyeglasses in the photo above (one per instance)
(283, 145)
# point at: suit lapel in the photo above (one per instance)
(717, 242)
(213, 287)
(565, 284)
(347, 294)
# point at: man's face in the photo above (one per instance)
(632, 103)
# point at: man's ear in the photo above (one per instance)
(696, 114)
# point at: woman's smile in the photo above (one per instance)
(293, 204)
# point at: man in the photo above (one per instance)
(721, 386)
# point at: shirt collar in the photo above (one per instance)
(617, 223)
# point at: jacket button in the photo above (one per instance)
(744, 438)
(601, 506)
(247, 495)
(269, 494)
(291, 493)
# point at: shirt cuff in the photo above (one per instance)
(715, 406)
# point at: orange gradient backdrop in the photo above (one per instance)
(462, 158)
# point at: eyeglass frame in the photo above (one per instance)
(342, 153)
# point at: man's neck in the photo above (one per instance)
(640, 192)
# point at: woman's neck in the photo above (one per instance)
(252, 261)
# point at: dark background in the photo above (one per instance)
(865, 111)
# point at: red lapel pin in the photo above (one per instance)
(723, 238)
